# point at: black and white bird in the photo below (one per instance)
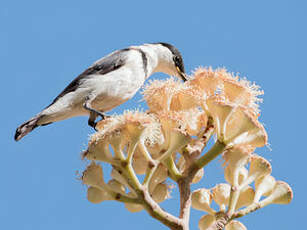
(109, 82)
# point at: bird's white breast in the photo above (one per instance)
(116, 87)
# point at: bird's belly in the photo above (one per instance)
(107, 102)
(113, 91)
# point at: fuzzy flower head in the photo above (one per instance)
(118, 131)
(170, 95)
(234, 89)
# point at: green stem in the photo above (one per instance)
(216, 150)
(172, 168)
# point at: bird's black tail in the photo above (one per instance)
(26, 127)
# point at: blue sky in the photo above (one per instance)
(44, 45)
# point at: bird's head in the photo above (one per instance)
(169, 60)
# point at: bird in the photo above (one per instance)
(107, 83)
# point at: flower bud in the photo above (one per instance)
(236, 158)
(98, 150)
(93, 175)
(133, 207)
(220, 194)
(259, 167)
(281, 194)
(96, 195)
(201, 200)
(158, 177)
(264, 187)
(235, 225)
(118, 176)
(229, 175)
(115, 186)
(246, 197)
(207, 222)
(160, 193)
(139, 163)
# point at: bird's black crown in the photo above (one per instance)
(177, 55)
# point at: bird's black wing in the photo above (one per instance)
(103, 66)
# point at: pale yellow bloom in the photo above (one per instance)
(201, 200)
(160, 193)
(93, 175)
(264, 186)
(235, 159)
(281, 194)
(235, 225)
(246, 197)
(207, 222)
(96, 195)
(220, 194)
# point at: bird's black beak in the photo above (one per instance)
(182, 74)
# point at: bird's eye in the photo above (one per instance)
(176, 60)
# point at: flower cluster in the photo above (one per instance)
(147, 149)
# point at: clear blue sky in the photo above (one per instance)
(45, 44)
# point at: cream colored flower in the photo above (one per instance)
(160, 193)
(119, 177)
(207, 222)
(258, 168)
(170, 95)
(158, 177)
(236, 158)
(246, 197)
(201, 200)
(121, 130)
(139, 162)
(241, 92)
(133, 207)
(206, 80)
(117, 187)
(229, 175)
(235, 124)
(93, 175)
(220, 194)
(96, 195)
(235, 225)
(264, 187)
(281, 194)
